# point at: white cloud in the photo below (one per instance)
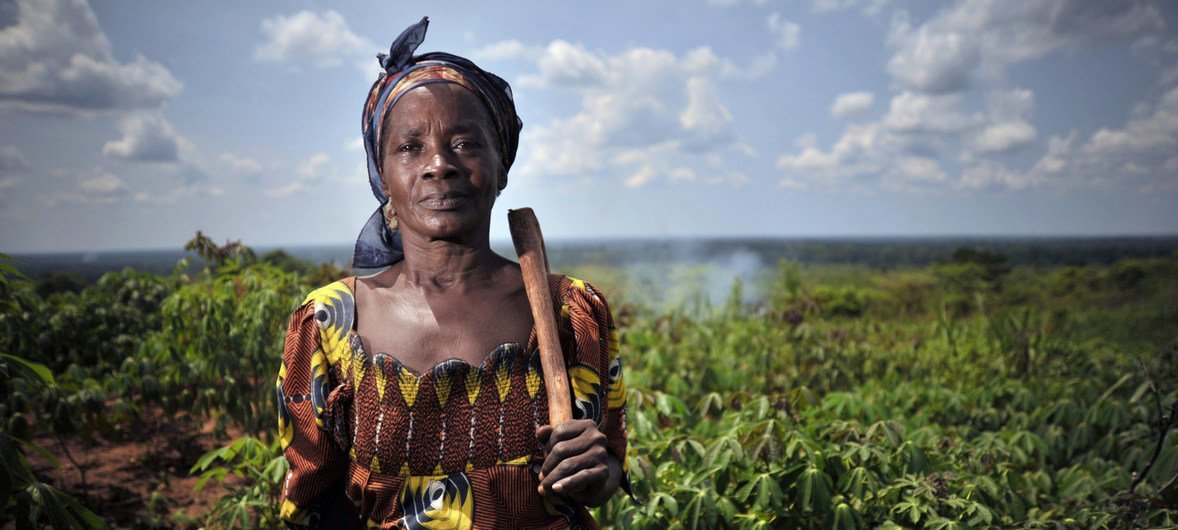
(1003, 137)
(1140, 152)
(788, 34)
(682, 174)
(983, 37)
(308, 38)
(56, 58)
(501, 51)
(863, 150)
(640, 178)
(242, 165)
(914, 169)
(100, 188)
(12, 161)
(570, 66)
(287, 190)
(177, 194)
(640, 109)
(852, 104)
(914, 112)
(102, 184)
(933, 61)
(704, 113)
(147, 137)
(824, 6)
(314, 165)
(870, 7)
(1135, 156)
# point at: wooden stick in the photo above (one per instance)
(533, 261)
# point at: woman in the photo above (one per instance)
(391, 410)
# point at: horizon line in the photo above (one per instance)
(675, 239)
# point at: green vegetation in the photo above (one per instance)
(971, 393)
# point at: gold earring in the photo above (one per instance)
(390, 215)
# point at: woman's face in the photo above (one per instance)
(442, 167)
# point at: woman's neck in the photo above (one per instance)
(437, 263)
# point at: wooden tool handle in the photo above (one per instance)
(533, 261)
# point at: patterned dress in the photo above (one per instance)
(372, 444)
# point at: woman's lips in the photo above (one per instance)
(444, 201)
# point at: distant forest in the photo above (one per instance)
(876, 253)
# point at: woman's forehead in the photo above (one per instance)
(452, 104)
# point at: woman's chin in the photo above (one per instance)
(450, 228)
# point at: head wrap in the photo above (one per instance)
(378, 246)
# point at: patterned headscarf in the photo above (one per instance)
(378, 246)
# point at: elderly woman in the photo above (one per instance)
(413, 398)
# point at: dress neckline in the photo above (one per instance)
(449, 364)
(533, 343)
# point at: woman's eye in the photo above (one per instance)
(465, 144)
(408, 148)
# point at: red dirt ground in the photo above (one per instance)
(121, 475)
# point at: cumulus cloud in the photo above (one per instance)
(1003, 137)
(101, 187)
(704, 113)
(241, 164)
(1140, 152)
(935, 133)
(320, 40)
(983, 37)
(56, 58)
(314, 165)
(313, 169)
(147, 137)
(788, 34)
(645, 114)
(851, 104)
(500, 51)
(913, 112)
(102, 184)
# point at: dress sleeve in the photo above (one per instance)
(317, 465)
(599, 387)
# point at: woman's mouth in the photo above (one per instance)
(444, 201)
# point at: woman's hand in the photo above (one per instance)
(577, 465)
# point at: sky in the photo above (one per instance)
(133, 124)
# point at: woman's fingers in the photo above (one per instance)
(576, 464)
(583, 485)
(569, 439)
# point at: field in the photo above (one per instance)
(966, 390)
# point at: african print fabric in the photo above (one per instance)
(372, 444)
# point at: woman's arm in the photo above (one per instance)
(585, 458)
(317, 465)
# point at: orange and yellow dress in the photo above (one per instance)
(373, 444)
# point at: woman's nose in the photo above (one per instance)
(440, 164)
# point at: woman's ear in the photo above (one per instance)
(502, 183)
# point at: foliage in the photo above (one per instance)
(23, 496)
(216, 352)
(968, 394)
(252, 500)
(1001, 419)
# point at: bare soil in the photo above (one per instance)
(116, 477)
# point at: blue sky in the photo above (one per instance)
(132, 124)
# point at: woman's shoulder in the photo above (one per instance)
(342, 290)
(330, 307)
(578, 296)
